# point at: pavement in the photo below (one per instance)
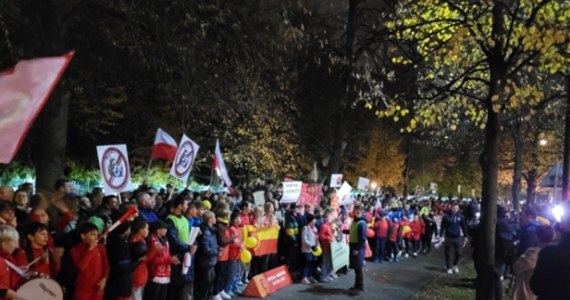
(381, 281)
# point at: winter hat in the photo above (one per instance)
(97, 222)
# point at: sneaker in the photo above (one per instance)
(334, 276)
(406, 255)
(224, 295)
(306, 280)
(455, 269)
(325, 280)
(415, 254)
(399, 253)
(217, 297)
(313, 280)
(449, 271)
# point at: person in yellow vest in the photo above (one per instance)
(357, 240)
(179, 238)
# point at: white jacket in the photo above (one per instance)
(308, 239)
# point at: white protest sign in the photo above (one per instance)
(114, 166)
(363, 183)
(344, 194)
(291, 191)
(259, 198)
(336, 180)
(340, 255)
(185, 156)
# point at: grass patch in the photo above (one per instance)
(451, 287)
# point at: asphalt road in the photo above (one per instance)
(381, 281)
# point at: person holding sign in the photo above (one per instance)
(357, 242)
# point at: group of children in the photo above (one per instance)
(153, 255)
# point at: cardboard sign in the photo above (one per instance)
(336, 180)
(115, 169)
(340, 255)
(363, 183)
(344, 194)
(291, 191)
(259, 198)
(267, 283)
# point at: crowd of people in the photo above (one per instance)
(150, 255)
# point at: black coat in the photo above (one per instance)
(552, 272)
(120, 283)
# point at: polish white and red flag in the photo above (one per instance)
(164, 147)
(219, 166)
(24, 89)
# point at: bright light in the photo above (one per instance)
(558, 212)
(543, 142)
(373, 185)
(477, 215)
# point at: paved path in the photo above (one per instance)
(381, 281)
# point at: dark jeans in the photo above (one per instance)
(222, 279)
(155, 291)
(293, 258)
(426, 242)
(456, 245)
(379, 249)
(406, 246)
(175, 292)
(415, 246)
(203, 282)
(392, 249)
(358, 279)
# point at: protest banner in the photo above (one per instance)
(291, 191)
(259, 198)
(184, 159)
(336, 180)
(266, 240)
(311, 193)
(114, 166)
(344, 194)
(340, 255)
(363, 183)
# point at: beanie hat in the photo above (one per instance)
(97, 222)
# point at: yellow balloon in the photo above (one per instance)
(245, 256)
(406, 229)
(251, 242)
(318, 251)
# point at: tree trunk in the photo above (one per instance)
(51, 131)
(517, 172)
(490, 169)
(49, 149)
(566, 166)
(345, 98)
(531, 186)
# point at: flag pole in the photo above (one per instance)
(147, 173)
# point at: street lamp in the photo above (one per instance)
(543, 142)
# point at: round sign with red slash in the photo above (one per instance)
(115, 168)
(184, 159)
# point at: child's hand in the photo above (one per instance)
(174, 260)
(102, 283)
(11, 294)
(193, 249)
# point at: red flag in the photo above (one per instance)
(164, 146)
(220, 166)
(24, 90)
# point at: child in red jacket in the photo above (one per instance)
(159, 261)
(381, 228)
(8, 278)
(234, 253)
(139, 232)
(406, 235)
(415, 235)
(394, 235)
(90, 259)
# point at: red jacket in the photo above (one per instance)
(394, 232)
(140, 275)
(158, 258)
(381, 228)
(325, 235)
(235, 248)
(246, 219)
(41, 266)
(92, 266)
(416, 232)
(8, 277)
